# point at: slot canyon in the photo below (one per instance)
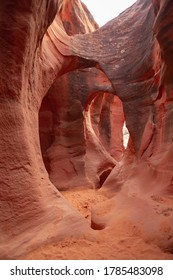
(86, 162)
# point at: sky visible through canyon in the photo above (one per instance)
(103, 11)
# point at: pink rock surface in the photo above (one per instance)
(73, 152)
(138, 63)
(32, 211)
(79, 119)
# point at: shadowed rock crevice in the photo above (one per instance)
(103, 176)
(96, 226)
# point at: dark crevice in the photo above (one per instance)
(103, 176)
(97, 226)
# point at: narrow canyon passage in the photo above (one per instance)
(99, 124)
(86, 132)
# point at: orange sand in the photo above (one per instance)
(105, 244)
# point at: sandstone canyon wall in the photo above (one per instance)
(124, 72)
(76, 151)
(32, 210)
(137, 60)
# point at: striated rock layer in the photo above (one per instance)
(80, 141)
(32, 211)
(135, 52)
(33, 56)
(79, 120)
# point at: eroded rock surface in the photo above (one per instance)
(136, 55)
(75, 117)
(133, 59)
(32, 211)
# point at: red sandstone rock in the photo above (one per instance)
(139, 66)
(66, 135)
(32, 211)
(35, 211)
(135, 52)
(73, 152)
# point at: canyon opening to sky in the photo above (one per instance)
(104, 11)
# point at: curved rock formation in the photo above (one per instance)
(138, 64)
(73, 154)
(134, 50)
(32, 211)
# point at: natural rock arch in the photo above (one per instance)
(140, 71)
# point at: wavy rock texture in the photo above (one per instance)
(135, 51)
(133, 59)
(32, 211)
(72, 149)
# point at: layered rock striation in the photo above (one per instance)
(135, 52)
(32, 211)
(79, 117)
(72, 150)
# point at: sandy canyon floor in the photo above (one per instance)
(107, 244)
